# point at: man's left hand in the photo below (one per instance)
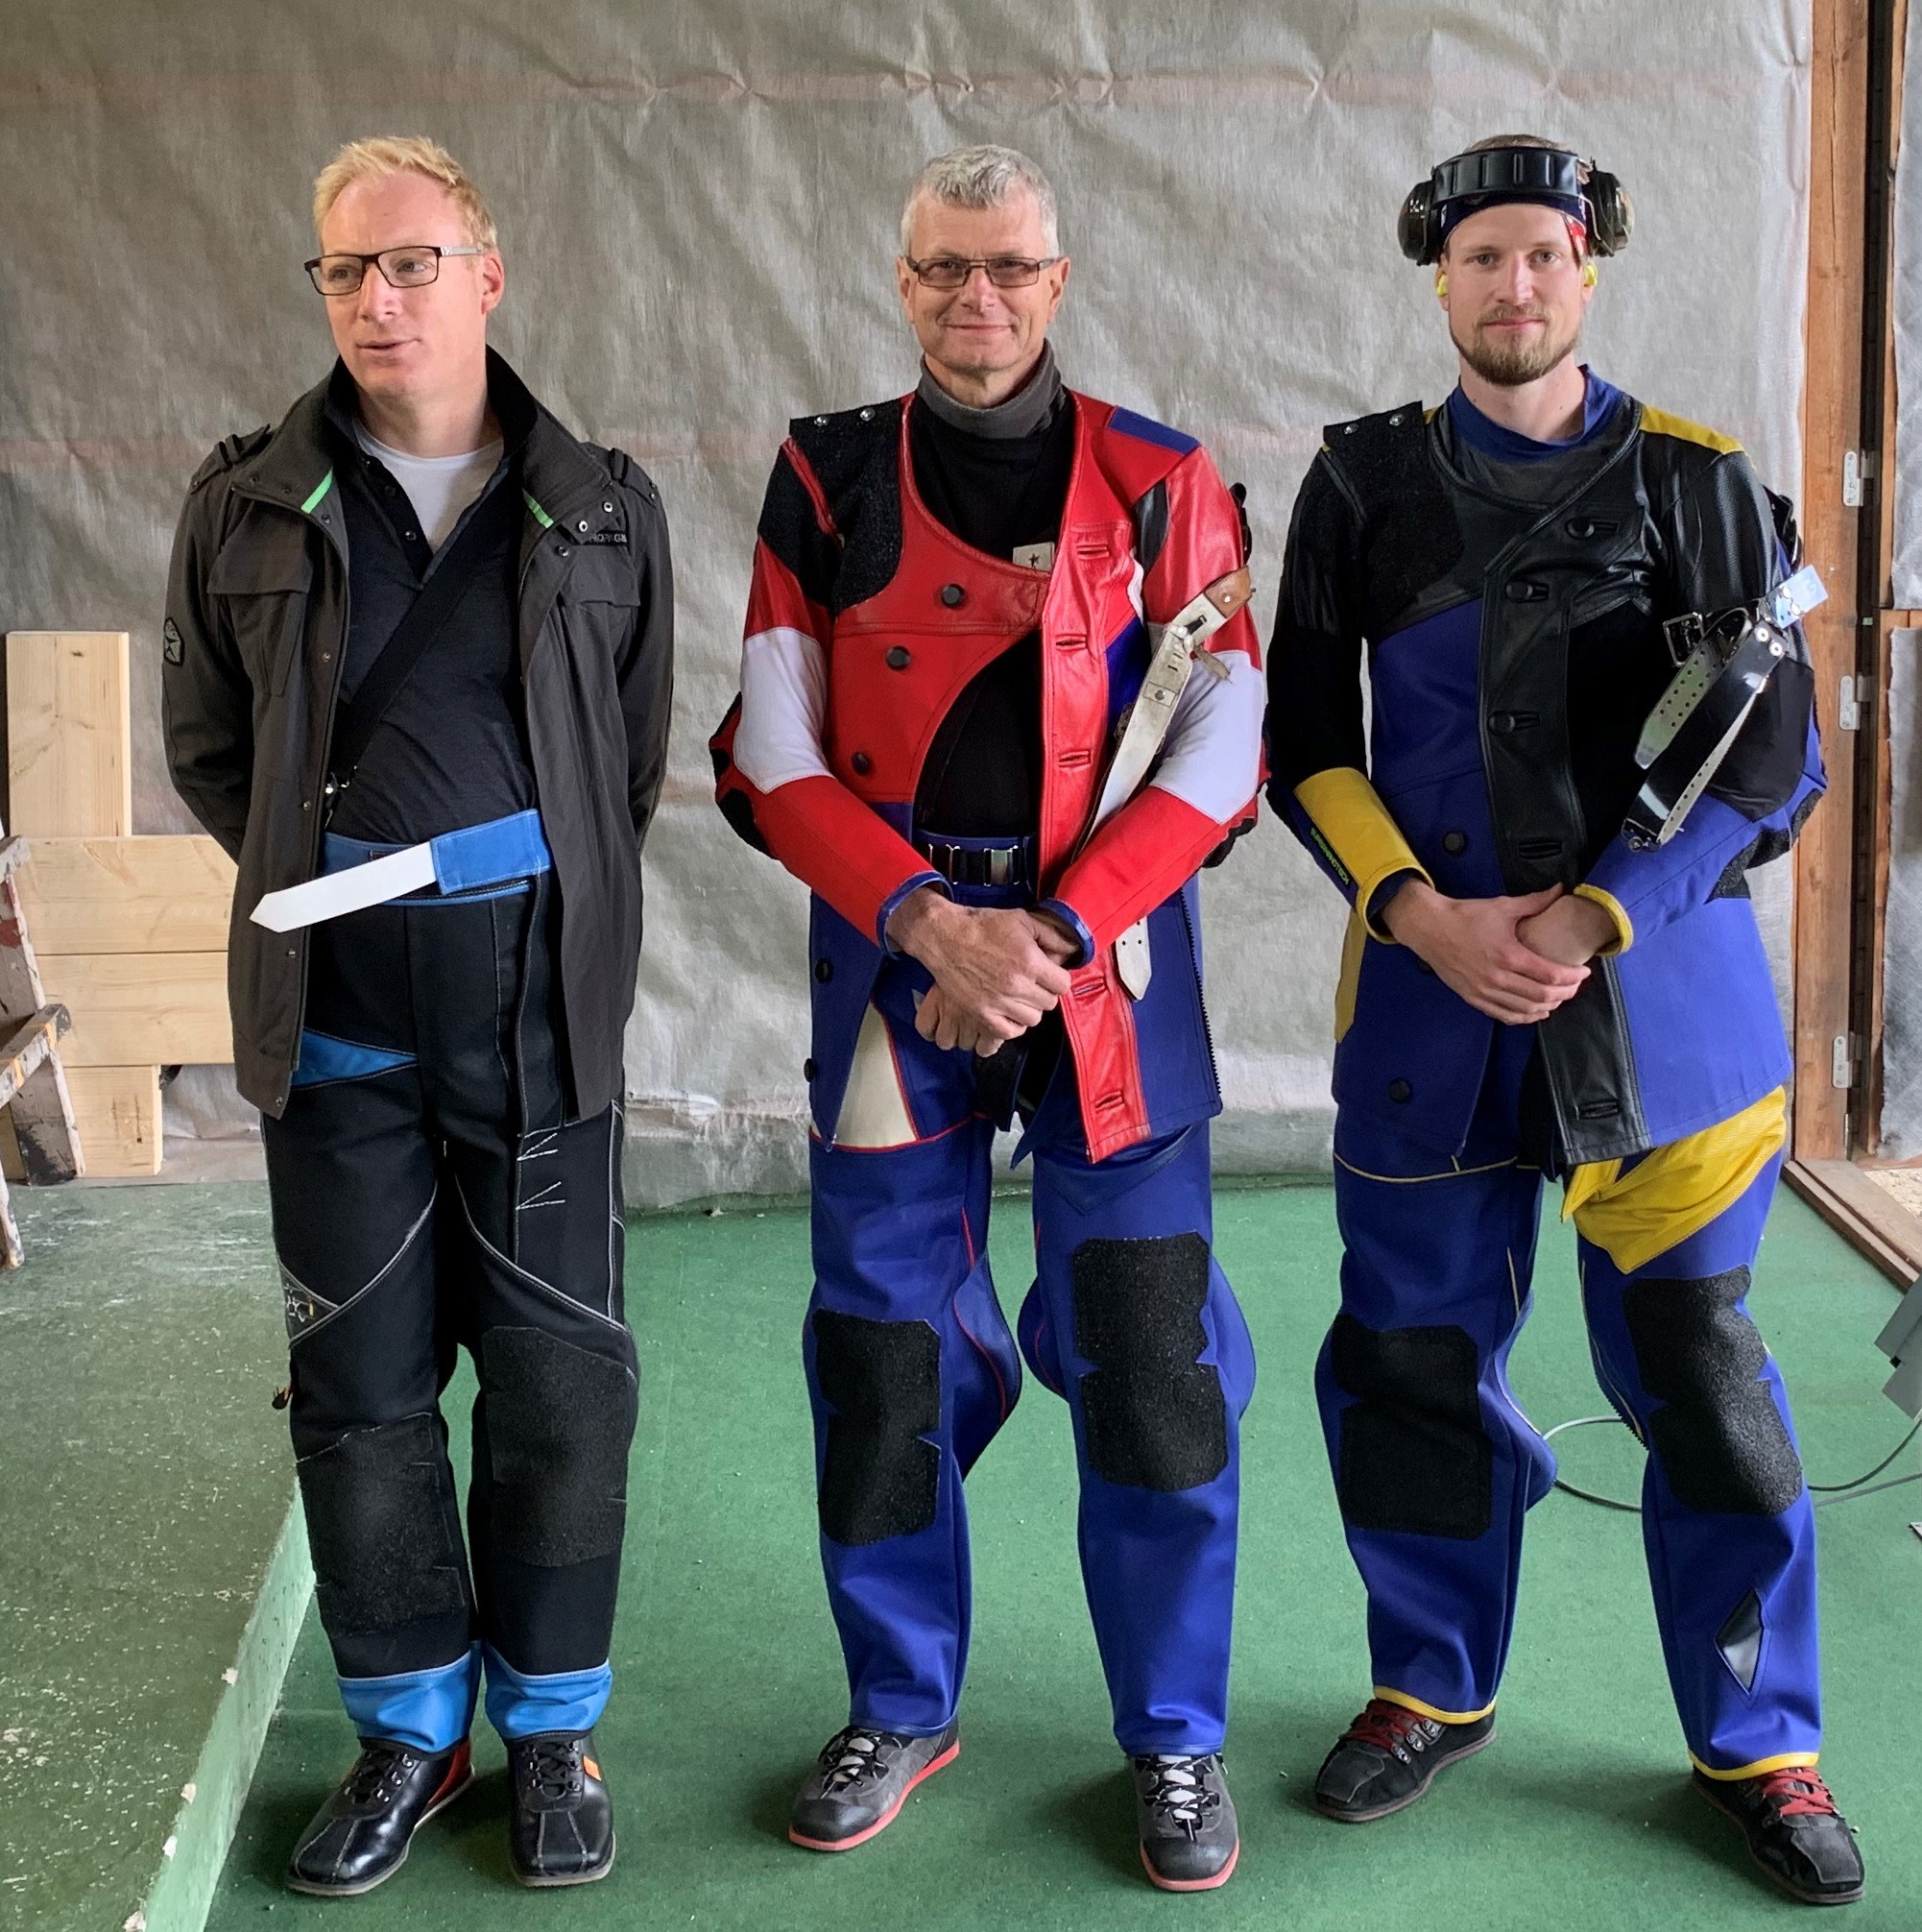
(1571, 932)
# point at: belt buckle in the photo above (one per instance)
(1000, 865)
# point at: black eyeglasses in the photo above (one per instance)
(1004, 271)
(410, 267)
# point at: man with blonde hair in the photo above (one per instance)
(1000, 700)
(417, 663)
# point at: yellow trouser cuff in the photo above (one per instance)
(1358, 832)
(1435, 1712)
(1761, 1768)
(1624, 926)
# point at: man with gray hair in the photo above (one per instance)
(1000, 699)
(418, 650)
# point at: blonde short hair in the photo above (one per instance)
(405, 154)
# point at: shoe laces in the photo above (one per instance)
(1389, 1727)
(1182, 1792)
(552, 1768)
(1797, 1790)
(377, 1772)
(854, 1756)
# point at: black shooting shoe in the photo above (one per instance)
(1189, 1837)
(562, 1828)
(1388, 1756)
(361, 1834)
(1794, 1831)
(861, 1780)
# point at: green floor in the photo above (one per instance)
(729, 1677)
(144, 1479)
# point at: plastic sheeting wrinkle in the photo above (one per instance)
(882, 1380)
(1415, 1456)
(1718, 1436)
(1154, 1413)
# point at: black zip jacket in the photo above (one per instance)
(255, 638)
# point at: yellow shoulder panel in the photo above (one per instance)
(1659, 423)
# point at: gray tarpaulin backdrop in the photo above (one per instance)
(697, 205)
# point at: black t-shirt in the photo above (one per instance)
(451, 749)
(982, 775)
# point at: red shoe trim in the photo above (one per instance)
(1221, 1877)
(887, 1817)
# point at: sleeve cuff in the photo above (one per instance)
(1624, 926)
(1074, 923)
(1373, 901)
(891, 903)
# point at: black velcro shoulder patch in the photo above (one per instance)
(1718, 1436)
(1414, 1455)
(230, 451)
(855, 455)
(882, 1381)
(1154, 1413)
(1411, 536)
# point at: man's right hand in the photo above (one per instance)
(1475, 950)
(994, 978)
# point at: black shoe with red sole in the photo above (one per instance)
(1793, 1830)
(859, 1783)
(360, 1836)
(1388, 1756)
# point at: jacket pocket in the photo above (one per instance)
(261, 579)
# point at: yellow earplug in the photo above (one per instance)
(1441, 285)
(1588, 274)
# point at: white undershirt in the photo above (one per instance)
(440, 488)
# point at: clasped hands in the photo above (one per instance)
(1515, 958)
(995, 972)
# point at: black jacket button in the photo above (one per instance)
(1399, 1091)
(862, 762)
(951, 594)
(1453, 842)
(898, 658)
(824, 970)
(808, 1069)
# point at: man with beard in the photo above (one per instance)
(1552, 968)
(1000, 698)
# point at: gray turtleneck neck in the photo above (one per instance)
(1019, 415)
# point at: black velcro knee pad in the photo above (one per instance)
(378, 1524)
(1414, 1455)
(1152, 1412)
(559, 1422)
(882, 1380)
(1719, 1434)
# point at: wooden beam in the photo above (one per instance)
(69, 733)
(1867, 1218)
(127, 895)
(131, 1008)
(1830, 426)
(119, 1113)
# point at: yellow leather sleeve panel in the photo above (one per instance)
(1678, 1190)
(1358, 832)
(1659, 423)
(1624, 926)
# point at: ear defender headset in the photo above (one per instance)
(1551, 175)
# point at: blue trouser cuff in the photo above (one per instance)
(426, 1710)
(519, 1705)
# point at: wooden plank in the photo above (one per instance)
(1830, 426)
(69, 733)
(127, 895)
(133, 1008)
(1863, 1215)
(119, 1113)
(24, 1051)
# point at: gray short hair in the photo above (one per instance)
(981, 177)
